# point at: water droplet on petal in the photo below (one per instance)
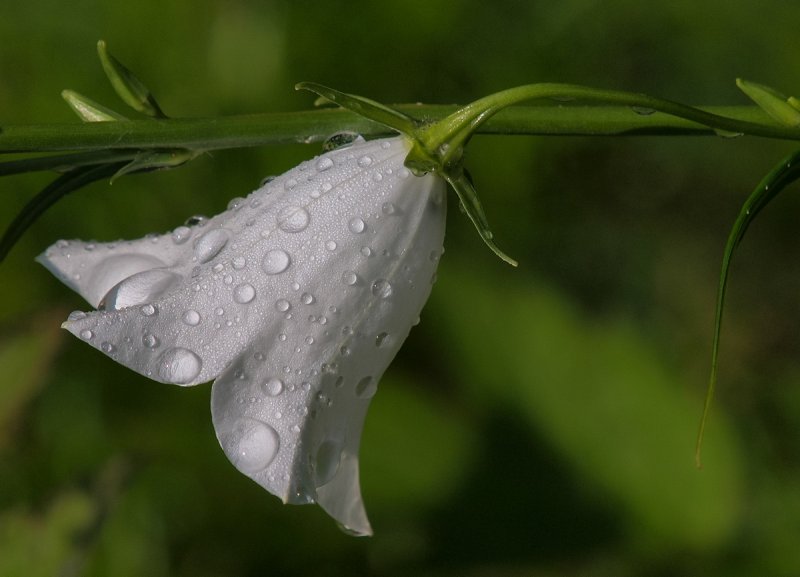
(251, 445)
(293, 219)
(150, 341)
(380, 338)
(196, 220)
(382, 288)
(76, 316)
(178, 365)
(181, 234)
(339, 140)
(107, 348)
(389, 208)
(356, 225)
(86, 334)
(244, 293)
(235, 203)
(324, 164)
(307, 298)
(239, 263)
(349, 277)
(148, 310)
(329, 456)
(210, 244)
(276, 261)
(282, 305)
(331, 245)
(142, 287)
(365, 161)
(366, 387)
(273, 387)
(191, 318)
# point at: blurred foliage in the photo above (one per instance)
(539, 421)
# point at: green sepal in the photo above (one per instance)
(88, 110)
(775, 182)
(156, 160)
(125, 83)
(771, 101)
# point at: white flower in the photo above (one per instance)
(295, 300)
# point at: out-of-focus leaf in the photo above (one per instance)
(603, 398)
(25, 358)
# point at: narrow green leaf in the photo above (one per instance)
(89, 110)
(773, 102)
(63, 185)
(776, 181)
(66, 162)
(132, 90)
(365, 107)
(474, 209)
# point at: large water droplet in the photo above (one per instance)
(349, 277)
(366, 387)
(324, 163)
(86, 334)
(276, 261)
(273, 387)
(244, 293)
(181, 234)
(307, 298)
(191, 318)
(293, 218)
(339, 140)
(356, 225)
(365, 161)
(329, 456)
(138, 289)
(210, 244)
(148, 310)
(150, 341)
(282, 305)
(196, 220)
(179, 366)
(251, 445)
(382, 288)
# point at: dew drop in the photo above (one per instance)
(276, 261)
(178, 365)
(382, 288)
(331, 245)
(366, 251)
(86, 334)
(244, 293)
(293, 219)
(366, 387)
(107, 348)
(181, 234)
(365, 161)
(196, 220)
(643, 110)
(76, 316)
(356, 225)
(349, 277)
(380, 338)
(389, 208)
(142, 287)
(282, 305)
(339, 140)
(273, 387)
(239, 263)
(210, 244)
(251, 445)
(307, 298)
(150, 341)
(191, 318)
(236, 202)
(148, 310)
(328, 459)
(324, 164)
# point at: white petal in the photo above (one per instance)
(305, 394)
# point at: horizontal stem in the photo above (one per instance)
(316, 125)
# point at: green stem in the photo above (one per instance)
(316, 125)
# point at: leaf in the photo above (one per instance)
(125, 83)
(89, 110)
(771, 101)
(776, 181)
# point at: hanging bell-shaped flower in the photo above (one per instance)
(295, 299)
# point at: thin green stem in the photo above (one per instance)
(316, 125)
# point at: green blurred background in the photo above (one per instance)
(539, 421)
